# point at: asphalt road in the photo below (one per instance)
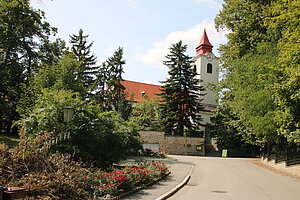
(235, 179)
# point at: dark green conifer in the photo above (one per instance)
(82, 49)
(108, 85)
(181, 94)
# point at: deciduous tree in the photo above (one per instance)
(22, 30)
(260, 64)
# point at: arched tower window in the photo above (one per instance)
(209, 68)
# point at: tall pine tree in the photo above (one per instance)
(181, 94)
(82, 49)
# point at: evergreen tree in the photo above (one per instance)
(114, 87)
(109, 90)
(100, 84)
(82, 49)
(181, 94)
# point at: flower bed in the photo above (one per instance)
(120, 181)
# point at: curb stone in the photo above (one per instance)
(177, 187)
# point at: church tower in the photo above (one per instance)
(207, 65)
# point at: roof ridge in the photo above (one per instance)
(142, 83)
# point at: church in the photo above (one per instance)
(207, 69)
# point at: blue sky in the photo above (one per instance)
(144, 28)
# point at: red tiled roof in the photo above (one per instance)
(135, 90)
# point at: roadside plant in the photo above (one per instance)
(101, 138)
(118, 181)
(149, 152)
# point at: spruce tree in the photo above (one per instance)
(115, 89)
(109, 90)
(100, 84)
(82, 49)
(181, 94)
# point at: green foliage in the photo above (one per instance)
(181, 94)
(51, 52)
(245, 20)
(82, 51)
(101, 138)
(148, 115)
(261, 68)
(22, 30)
(249, 96)
(226, 128)
(109, 90)
(284, 16)
(62, 75)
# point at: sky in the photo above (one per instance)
(144, 28)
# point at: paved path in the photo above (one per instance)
(235, 179)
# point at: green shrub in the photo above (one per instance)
(92, 136)
(148, 115)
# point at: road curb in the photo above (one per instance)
(177, 187)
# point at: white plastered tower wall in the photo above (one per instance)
(207, 67)
(201, 62)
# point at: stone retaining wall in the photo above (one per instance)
(174, 144)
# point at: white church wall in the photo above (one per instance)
(201, 62)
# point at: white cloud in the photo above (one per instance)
(156, 55)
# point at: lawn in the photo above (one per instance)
(10, 139)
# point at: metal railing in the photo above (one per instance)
(288, 152)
